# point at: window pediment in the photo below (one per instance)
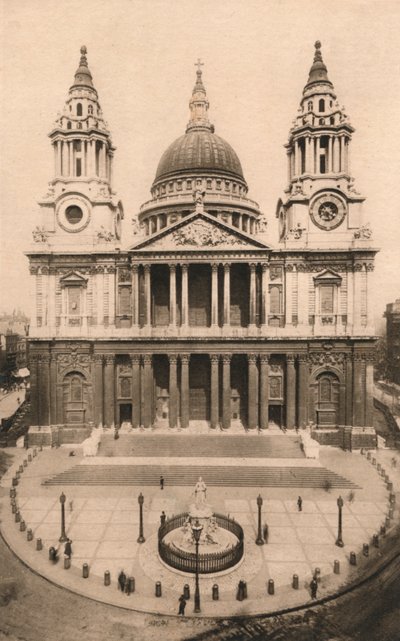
(327, 277)
(73, 279)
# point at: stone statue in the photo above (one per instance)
(198, 196)
(200, 492)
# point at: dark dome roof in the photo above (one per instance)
(199, 149)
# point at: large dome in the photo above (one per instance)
(197, 150)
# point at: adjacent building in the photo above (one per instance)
(197, 322)
(392, 316)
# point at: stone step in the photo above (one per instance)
(218, 476)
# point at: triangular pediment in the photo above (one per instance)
(327, 276)
(73, 278)
(199, 231)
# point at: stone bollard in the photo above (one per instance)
(22, 526)
(29, 535)
(271, 586)
(107, 577)
(41, 448)
(295, 582)
(34, 451)
(391, 512)
(375, 541)
(39, 545)
(240, 594)
(362, 451)
(14, 508)
(13, 492)
(29, 458)
(17, 517)
(25, 463)
(67, 563)
(158, 589)
(392, 498)
(365, 549)
(368, 456)
(186, 591)
(383, 530)
(387, 523)
(379, 467)
(389, 486)
(85, 571)
(353, 558)
(244, 589)
(131, 584)
(336, 566)
(373, 461)
(21, 469)
(14, 481)
(215, 592)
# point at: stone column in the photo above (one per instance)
(330, 155)
(109, 390)
(214, 390)
(135, 297)
(226, 390)
(227, 294)
(290, 392)
(148, 391)
(296, 158)
(289, 165)
(44, 389)
(342, 154)
(358, 390)
(136, 417)
(252, 293)
(253, 392)
(264, 391)
(309, 161)
(264, 294)
(303, 390)
(214, 294)
(53, 390)
(173, 391)
(147, 289)
(33, 368)
(185, 296)
(98, 390)
(185, 390)
(172, 295)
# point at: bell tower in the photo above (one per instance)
(321, 208)
(80, 208)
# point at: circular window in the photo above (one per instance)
(73, 214)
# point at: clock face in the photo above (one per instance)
(328, 211)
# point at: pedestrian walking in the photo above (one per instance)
(163, 518)
(161, 482)
(127, 587)
(182, 605)
(121, 581)
(265, 533)
(314, 588)
(68, 549)
(300, 503)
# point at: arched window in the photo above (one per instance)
(321, 105)
(309, 105)
(332, 120)
(90, 110)
(69, 125)
(275, 299)
(79, 109)
(76, 394)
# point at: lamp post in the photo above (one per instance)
(339, 540)
(197, 530)
(259, 539)
(141, 538)
(63, 536)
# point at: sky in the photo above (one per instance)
(141, 53)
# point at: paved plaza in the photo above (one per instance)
(103, 524)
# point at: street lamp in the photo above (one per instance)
(259, 539)
(197, 529)
(141, 538)
(339, 540)
(63, 536)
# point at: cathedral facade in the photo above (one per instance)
(198, 323)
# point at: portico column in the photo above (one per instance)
(303, 390)
(98, 390)
(135, 297)
(264, 391)
(290, 392)
(147, 289)
(330, 155)
(252, 293)
(173, 391)
(185, 390)
(148, 391)
(296, 158)
(172, 295)
(109, 390)
(342, 161)
(264, 294)
(226, 390)
(53, 390)
(136, 418)
(227, 294)
(214, 390)
(185, 295)
(252, 392)
(214, 294)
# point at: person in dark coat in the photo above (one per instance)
(127, 587)
(182, 605)
(265, 533)
(314, 588)
(300, 503)
(161, 482)
(68, 549)
(122, 581)
(163, 518)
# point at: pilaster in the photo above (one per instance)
(185, 390)
(253, 391)
(264, 391)
(214, 390)
(226, 390)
